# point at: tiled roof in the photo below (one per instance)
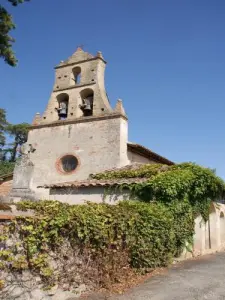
(139, 149)
(130, 167)
(96, 182)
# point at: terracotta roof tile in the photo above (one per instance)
(96, 182)
(132, 166)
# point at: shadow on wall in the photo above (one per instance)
(210, 235)
(83, 194)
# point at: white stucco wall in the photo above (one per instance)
(210, 236)
(137, 158)
(82, 195)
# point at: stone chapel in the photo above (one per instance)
(78, 134)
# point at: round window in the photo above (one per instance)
(68, 163)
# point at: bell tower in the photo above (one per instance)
(79, 89)
(79, 133)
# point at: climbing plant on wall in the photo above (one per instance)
(165, 184)
(112, 239)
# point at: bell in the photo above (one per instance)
(87, 104)
(87, 107)
(62, 111)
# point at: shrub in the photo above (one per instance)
(103, 242)
(114, 237)
(166, 184)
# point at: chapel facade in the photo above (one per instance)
(79, 132)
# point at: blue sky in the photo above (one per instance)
(166, 60)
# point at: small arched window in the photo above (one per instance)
(87, 97)
(62, 109)
(76, 75)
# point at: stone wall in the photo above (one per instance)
(209, 237)
(137, 158)
(27, 285)
(92, 77)
(98, 144)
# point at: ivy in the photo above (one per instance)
(131, 233)
(166, 184)
(114, 238)
(142, 171)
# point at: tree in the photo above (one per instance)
(3, 124)
(19, 132)
(6, 41)
(6, 167)
(8, 152)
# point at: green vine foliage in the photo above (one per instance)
(112, 238)
(144, 235)
(143, 171)
(166, 184)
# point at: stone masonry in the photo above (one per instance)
(97, 141)
(79, 132)
(92, 79)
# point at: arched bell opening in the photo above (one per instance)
(76, 76)
(62, 109)
(87, 97)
